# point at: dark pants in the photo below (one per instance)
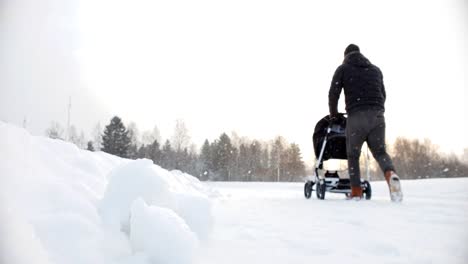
(366, 126)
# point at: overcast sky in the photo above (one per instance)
(261, 68)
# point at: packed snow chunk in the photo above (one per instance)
(127, 183)
(180, 192)
(160, 234)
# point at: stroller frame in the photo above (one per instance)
(330, 181)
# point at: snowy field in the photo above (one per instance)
(60, 204)
(274, 223)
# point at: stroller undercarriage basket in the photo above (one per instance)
(330, 143)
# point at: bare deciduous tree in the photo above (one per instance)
(97, 136)
(181, 137)
(148, 137)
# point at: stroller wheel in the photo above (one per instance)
(367, 190)
(308, 189)
(321, 189)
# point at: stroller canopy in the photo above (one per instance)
(336, 140)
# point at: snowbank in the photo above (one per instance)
(61, 204)
(176, 191)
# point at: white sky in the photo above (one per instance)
(261, 68)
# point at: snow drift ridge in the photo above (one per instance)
(61, 204)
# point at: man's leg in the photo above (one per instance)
(355, 137)
(376, 142)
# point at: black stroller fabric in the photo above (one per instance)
(336, 143)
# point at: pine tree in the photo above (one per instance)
(90, 146)
(255, 159)
(206, 161)
(243, 164)
(132, 152)
(191, 166)
(154, 153)
(167, 159)
(295, 167)
(142, 152)
(115, 140)
(223, 157)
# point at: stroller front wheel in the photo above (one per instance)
(308, 189)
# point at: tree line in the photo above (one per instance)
(232, 158)
(418, 159)
(227, 158)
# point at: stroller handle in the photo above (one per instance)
(336, 124)
(332, 120)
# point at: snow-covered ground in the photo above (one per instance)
(274, 223)
(60, 204)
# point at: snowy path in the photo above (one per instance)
(273, 223)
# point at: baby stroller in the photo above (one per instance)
(330, 143)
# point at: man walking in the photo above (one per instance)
(365, 96)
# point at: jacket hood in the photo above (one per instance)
(356, 59)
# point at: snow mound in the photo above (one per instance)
(62, 204)
(158, 187)
(161, 234)
(48, 194)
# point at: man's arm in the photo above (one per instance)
(335, 91)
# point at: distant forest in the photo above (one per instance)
(235, 158)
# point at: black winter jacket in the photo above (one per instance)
(362, 82)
